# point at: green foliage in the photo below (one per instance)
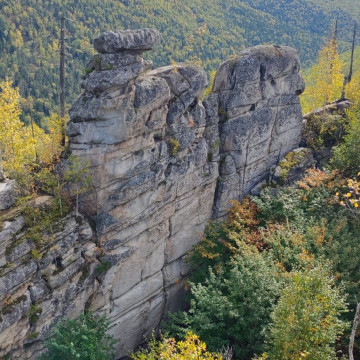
(192, 30)
(25, 148)
(209, 89)
(324, 131)
(104, 266)
(226, 239)
(189, 349)
(324, 82)
(306, 319)
(233, 307)
(312, 197)
(34, 313)
(82, 338)
(290, 161)
(346, 156)
(306, 222)
(42, 222)
(33, 335)
(267, 242)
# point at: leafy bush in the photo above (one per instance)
(225, 239)
(313, 197)
(324, 131)
(346, 156)
(82, 338)
(189, 349)
(233, 307)
(306, 320)
(23, 148)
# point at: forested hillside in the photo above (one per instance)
(206, 32)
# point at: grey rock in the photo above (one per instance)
(38, 291)
(60, 276)
(2, 174)
(20, 250)
(99, 81)
(151, 93)
(10, 228)
(260, 117)
(7, 194)
(112, 61)
(17, 308)
(16, 277)
(111, 42)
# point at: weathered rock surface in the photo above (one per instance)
(2, 175)
(260, 117)
(155, 152)
(111, 42)
(40, 285)
(7, 194)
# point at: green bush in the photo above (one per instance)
(346, 156)
(306, 321)
(232, 308)
(82, 338)
(225, 239)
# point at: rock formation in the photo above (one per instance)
(43, 279)
(260, 117)
(163, 162)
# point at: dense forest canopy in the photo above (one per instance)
(202, 32)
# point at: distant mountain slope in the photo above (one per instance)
(193, 30)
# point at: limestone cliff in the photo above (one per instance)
(163, 162)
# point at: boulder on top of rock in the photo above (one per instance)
(111, 42)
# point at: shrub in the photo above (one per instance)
(233, 307)
(346, 156)
(189, 349)
(224, 239)
(306, 320)
(324, 130)
(82, 338)
(313, 197)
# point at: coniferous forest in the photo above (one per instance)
(202, 32)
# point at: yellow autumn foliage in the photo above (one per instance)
(324, 83)
(353, 90)
(168, 349)
(22, 146)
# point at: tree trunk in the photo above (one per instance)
(353, 332)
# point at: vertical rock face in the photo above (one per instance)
(261, 117)
(147, 137)
(42, 280)
(164, 162)
(154, 151)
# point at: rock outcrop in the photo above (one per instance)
(42, 279)
(7, 194)
(163, 162)
(260, 117)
